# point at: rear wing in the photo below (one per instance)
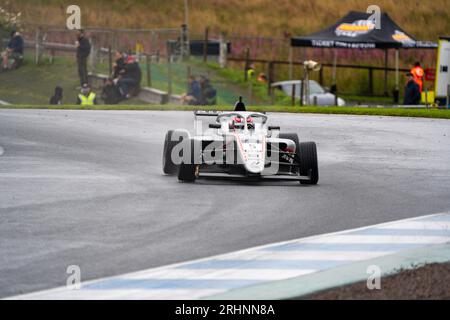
(202, 119)
(205, 113)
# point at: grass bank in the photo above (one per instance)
(391, 112)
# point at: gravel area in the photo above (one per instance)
(426, 282)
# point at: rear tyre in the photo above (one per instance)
(168, 166)
(307, 153)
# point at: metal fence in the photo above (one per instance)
(274, 56)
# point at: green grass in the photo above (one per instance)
(367, 100)
(34, 84)
(392, 112)
(260, 93)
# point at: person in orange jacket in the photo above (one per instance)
(418, 74)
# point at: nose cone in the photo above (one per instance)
(254, 156)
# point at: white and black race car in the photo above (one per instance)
(238, 144)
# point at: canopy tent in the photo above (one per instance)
(357, 31)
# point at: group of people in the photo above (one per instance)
(414, 85)
(200, 93)
(125, 79)
(86, 97)
(122, 83)
(12, 57)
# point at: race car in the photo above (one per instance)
(238, 144)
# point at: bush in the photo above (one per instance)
(10, 21)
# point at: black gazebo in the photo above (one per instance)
(357, 30)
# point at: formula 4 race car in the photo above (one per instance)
(238, 144)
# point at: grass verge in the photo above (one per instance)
(392, 112)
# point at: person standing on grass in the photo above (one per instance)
(83, 51)
(418, 74)
(412, 91)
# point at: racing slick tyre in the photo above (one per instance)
(169, 167)
(307, 153)
(187, 172)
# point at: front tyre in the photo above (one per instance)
(168, 166)
(187, 171)
(307, 154)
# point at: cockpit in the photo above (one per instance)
(237, 121)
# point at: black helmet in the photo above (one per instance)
(240, 106)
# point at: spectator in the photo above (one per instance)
(250, 71)
(14, 51)
(130, 77)
(111, 93)
(262, 78)
(119, 64)
(193, 96)
(86, 96)
(418, 74)
(208, 93)
(57, 97)
(83, 51)
(412, 91)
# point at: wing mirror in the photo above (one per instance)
(215, 126)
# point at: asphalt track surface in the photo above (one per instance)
(85, 188)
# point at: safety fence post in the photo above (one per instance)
(247, 63)
(169, 76)
(371, 81)
(448, 97)
(321, 75)
(148, 61)
(188, 75)
(94, 53)
(110, 60)
(293, 95)
(223, 51)
(386, 63)
(270, 78)
(205, 45)
(39, 45)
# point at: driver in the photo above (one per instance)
(250, 123)
(238, 122)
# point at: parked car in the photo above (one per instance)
(318, 95)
